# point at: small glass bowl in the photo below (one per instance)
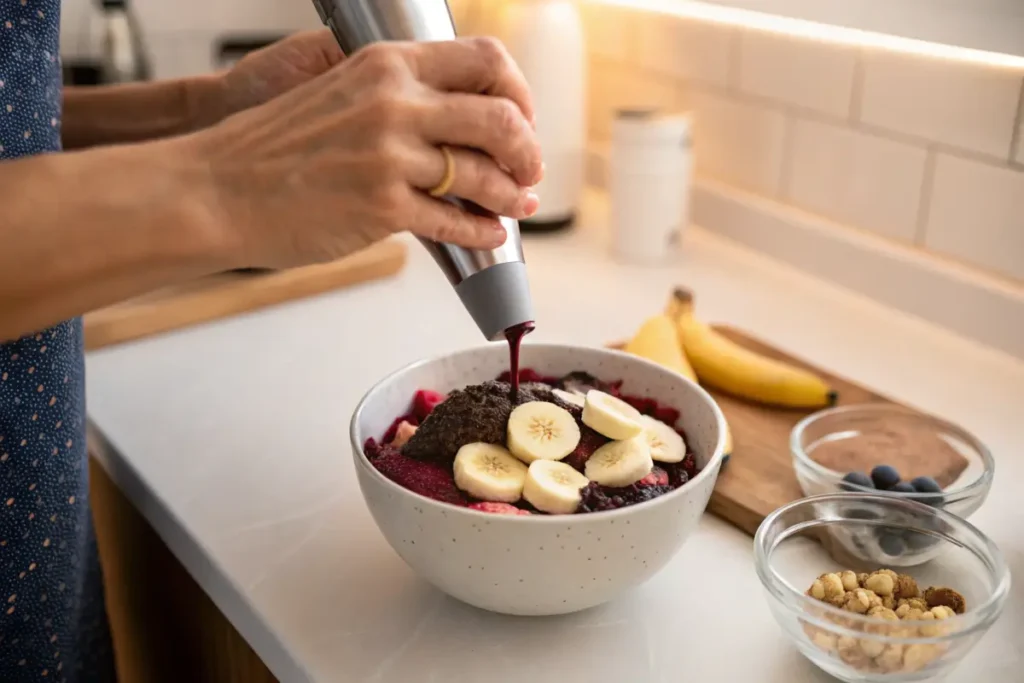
(798, 542)
(962, 498)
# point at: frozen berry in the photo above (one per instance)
(856, 479)
(589, 442)
(427, 479)
(885, 477)
(665, 414)
(424, 402)
(902, 487)
(892, 544)
(498, 508)
(925, 485)
(657, 477)
(645, 406)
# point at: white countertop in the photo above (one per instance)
(232, 439)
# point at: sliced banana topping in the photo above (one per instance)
(489, 472)
(611, 417)
(620, 463)
(539, 430)
(571, 397)
(666, 444)
(553, 487)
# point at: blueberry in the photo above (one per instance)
(925, 485)
(885, 477)
(857, 478)
(892, 544)
(903, 487)
(919, 541)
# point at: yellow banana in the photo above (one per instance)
(658, 340)
(727, 366)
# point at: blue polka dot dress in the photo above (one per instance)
(52, 620)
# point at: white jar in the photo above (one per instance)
(650, 173)
(545, 37)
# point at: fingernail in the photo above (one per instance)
(531, 204)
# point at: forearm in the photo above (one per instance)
(83, 230)
(135, 112)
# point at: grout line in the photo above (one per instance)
(857, 96)
(1016, 143)
(786, 164)
(925, 200)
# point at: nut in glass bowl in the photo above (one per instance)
(963, 466)
(857, 619)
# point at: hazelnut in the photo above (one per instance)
(860, 601)
(826, 641)
(833, 585)
(846, 643)
(946, 597)
(861, 578)
(849, 580)
(883, 613)
(912, 614)
(942, 612)
(872, 647)
(891, 659)
(889, 602)
(918, 656)
(906, 587)
(855, 657)
(917, 603)
(881, 584)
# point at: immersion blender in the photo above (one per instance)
(491, 284)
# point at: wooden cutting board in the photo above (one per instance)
(759, 477)
(226, 294)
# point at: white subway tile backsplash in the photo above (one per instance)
(608, 30)
(737, 142)
(613, 85)
(977, 214)
(798, 71)
(856, 178)
(684, 48)
(957, 103)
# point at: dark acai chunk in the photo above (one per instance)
(477, 413)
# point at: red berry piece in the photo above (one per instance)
(657, 477)
(424, 402)
(667, 415)
(392, 431)
(498, 508)
(590, 441)
(424, 478)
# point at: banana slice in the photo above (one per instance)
(553, 487)
(620, 463)
(610, 416)
(665, 443)
(539, 430)
(489, 472)
(571, 397)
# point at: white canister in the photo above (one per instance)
(651, 169)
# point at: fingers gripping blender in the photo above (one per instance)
(492, 284)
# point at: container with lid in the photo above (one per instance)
(651, 166)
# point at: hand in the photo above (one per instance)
(262, 75)
(346, 158)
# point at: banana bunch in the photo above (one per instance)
(681, 342)
(658, 340)
(724, 365)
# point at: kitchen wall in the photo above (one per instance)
(893, 169)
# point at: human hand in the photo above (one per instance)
(348, 157)
(264, 74)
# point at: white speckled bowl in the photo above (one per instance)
(537, 565)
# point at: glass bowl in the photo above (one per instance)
(868, 423)
(799, 542)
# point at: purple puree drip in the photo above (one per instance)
(515, 336)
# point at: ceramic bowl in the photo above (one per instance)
(537, 565)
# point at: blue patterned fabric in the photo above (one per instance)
(52, 620)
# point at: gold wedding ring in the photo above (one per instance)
(441, 189)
